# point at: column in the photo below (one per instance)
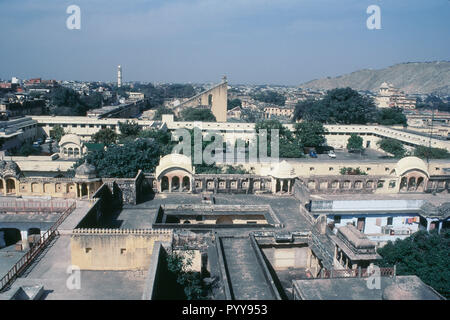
(24, 236)
(289, 185)
(88, 191)
(170, 184)
(440, 226)
(181, 184)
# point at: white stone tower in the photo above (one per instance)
(119, 76)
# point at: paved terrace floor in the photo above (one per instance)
(438, 199)
(51, 272)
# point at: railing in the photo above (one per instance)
(356, 273)
(24, 262)
(39, 206)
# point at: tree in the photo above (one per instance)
(57, 132)
(431, 153)
(190, 282)
(195, 114)
(424, 254)
(124, 161)
(270, 97)
(234, 103)
(391, 116)
(129, 128)
(392, 146)
(290, 145)
(355, 142)
(343, 106)
(310, 133)
(106, 136)
(27, 150)
(162, 110)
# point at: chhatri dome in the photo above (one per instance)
(86, 171)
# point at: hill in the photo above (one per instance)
(410, 77)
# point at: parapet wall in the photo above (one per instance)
(115, 249)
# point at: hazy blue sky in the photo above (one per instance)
(251, 41)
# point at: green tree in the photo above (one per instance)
(124, 161)
(310, 133)
(129, 129)
(431, 153)
(162, 110)
(290, 145)
(424, 254)
(343, 106)
(57, 132)
(234, 103)
(27, 149)
(355, 142)
(195, 114)
(106, 136)
(270, 97)
(391, 116)
(392, 146)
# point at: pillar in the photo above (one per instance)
(88, 191)
(170, 184)
(181, 184)
(440, 226)
(289, 185)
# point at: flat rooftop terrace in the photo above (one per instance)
(437, 199)
(50, 271)
(141, 216)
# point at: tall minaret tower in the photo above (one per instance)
(119, 76)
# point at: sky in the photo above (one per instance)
(285, 42)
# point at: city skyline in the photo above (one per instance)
(252, 42)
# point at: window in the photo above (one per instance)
(390, 221)
(311, 169)
(87, 250)
(368, 169)
(330, 169)
(91, 126)
(337, 219)
(386, 169)
(123, 251)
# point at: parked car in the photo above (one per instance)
(48, 140)
(312, 154)
(331, 154)
(36, 144)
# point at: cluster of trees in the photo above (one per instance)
(68, 102)
(431, 153)
(424, 254)
(346, 106)
(197, 114)
(26, 149)
(434, 102)
(352, 171)
(270, 97)
(393, 147)
(291, 144)
(233, 103)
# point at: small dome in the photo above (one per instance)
(70, 138)
(175, 161)
(86, 171)
(9, 168)
(411, 163)
(283, 170)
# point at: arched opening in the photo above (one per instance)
(224, 220)
(210, 100)
(420, 184)
(76, 152)
(412, 184)
(10, 186)
(84, 190)
(278, 188)
(186, 184)
(65, 151)
(175, 183)
(70, 152)
(1, 186)
(9, 237)
(403, 184)
(285, 186)
(164, 184)
(186, 222)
